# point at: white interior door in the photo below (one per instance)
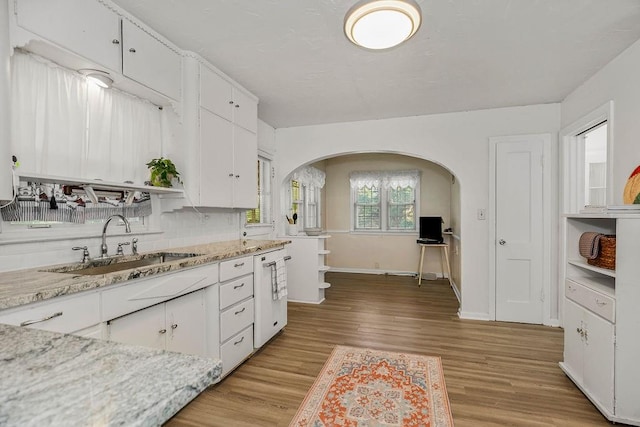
(519, 229)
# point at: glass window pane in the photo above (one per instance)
(595, 169)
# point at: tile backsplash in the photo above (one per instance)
(166, 230)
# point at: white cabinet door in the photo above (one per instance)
(245, 111)
(599, 359)
(216, 160)
(145, 327)
(148, 61)
(87, 28)
(573, 342)
(216, 94)
(186, 324)
(245, 165)
(212, 319)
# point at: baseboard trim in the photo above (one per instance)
(456, 291)
(382, 272)
(306, 302)
(474, 316)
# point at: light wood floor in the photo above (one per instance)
(497, 374)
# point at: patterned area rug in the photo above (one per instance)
(364, 387)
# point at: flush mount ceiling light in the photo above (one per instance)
(97, 77)
(382, 24)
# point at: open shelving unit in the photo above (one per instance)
(601, 316)
(305, 271)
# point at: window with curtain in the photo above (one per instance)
(385, 201)
(64, 125)
(262, 214)
(306, 197)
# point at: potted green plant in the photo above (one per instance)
(163, 171)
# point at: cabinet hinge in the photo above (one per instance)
(542, 295)
(273, 172)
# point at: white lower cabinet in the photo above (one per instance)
(176, 325)
(589, 353)
(237, 349)
(236, 312)
(63, 314)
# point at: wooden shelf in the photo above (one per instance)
(98, 184)
(583, 264)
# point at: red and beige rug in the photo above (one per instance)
(364, 387)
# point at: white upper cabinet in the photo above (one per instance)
(148, 61)
(86, 28)
(245, 111)
(98, 35)
(216, 94)
(220, 97)
(228, 145)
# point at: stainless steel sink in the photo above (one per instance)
(110, 265)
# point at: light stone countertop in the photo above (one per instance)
(57, 379)
(32, 285)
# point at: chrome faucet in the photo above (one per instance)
(103, 247)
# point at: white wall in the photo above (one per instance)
(458, 141)
(617, 81)
(5, 171)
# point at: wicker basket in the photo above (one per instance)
(607, 255)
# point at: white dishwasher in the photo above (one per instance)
(270, 300)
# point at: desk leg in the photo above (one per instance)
(446, 257)
(422, 248)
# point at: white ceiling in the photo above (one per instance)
(468, 54)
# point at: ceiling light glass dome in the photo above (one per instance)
(382, 24)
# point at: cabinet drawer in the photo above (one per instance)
(235, 268)
(146, 292)
(233, 292)
(236, 350)
(66, 314)
(597, 302)
(235, 319)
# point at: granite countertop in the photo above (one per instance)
(56, 379)
(36, 284)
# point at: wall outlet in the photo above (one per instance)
(482, 214)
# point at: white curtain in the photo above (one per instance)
(48, 115)
(64, 125)
(385, 179)
(310, 177)
(124, 129)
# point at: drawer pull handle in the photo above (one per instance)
(175, 325)
(240, 311)
(162, 331)
(240, 264)
(601, 303)
(238, 286)
(238, 342)
(44, 319)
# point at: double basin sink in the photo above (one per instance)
(119, 263)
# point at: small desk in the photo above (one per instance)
(445, 251)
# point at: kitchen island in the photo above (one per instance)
(50, 378)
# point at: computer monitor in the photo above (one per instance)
(431, 229)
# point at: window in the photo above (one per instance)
(385, 201)
(306, 201)
(594, 141)
(586, 173)
(262, 214)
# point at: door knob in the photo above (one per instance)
(502, 242)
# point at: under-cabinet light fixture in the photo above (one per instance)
(382, 24)
(97, 77)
